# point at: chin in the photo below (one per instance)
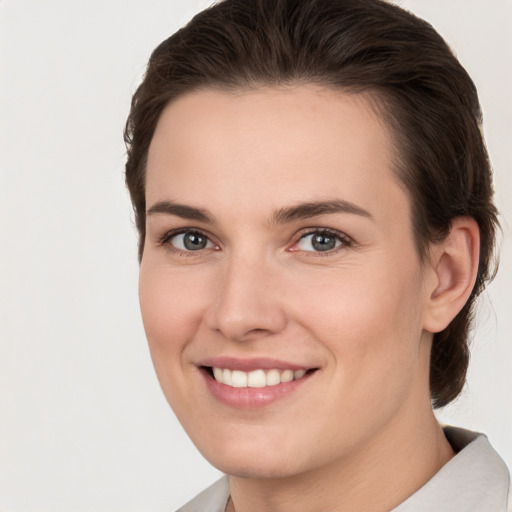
(259, 460)
(254, 469)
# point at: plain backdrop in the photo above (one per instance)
(83, 423)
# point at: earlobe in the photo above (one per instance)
(454, 266)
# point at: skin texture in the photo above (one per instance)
(359, 433)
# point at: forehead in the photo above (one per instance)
(258, 148)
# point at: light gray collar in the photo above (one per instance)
(475, 480)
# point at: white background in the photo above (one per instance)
(83, 424)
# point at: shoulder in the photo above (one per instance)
(212, 499)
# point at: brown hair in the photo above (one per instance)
(424, 93)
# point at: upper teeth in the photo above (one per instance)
(256, 378)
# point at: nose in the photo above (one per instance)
(248, 304)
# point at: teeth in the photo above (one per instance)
(238, 379)
(256, 378)
(287, 376)
(226, 377)
(217, 373)
(273, 377)
(299, 374)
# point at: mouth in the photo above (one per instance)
(260, 378)
(249, 384)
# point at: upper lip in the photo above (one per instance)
(253, 363)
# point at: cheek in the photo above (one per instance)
(358, 301)
(370, 320)
(171, 311)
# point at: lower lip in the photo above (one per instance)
(251, 398)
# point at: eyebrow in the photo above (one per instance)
(281, 216)
(181, 210)
(307, 210)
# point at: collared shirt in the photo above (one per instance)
(475, 480)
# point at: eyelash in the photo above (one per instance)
(346, 241)
(165, 241)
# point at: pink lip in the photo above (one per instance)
(248, 365)
(251, 398)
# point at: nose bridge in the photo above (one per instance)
(247, 304)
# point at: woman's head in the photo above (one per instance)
(399, 63)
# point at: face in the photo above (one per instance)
(282, 295)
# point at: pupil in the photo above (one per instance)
(194, 242)
(323, 242)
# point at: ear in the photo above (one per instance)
(452, 273)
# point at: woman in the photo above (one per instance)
(314, 203)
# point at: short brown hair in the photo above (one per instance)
(425, 95)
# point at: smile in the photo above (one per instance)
(252, 383)
(256, 378)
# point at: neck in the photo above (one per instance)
(389, 470)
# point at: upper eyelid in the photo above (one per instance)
(335, 232)
(180, 231)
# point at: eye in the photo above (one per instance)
(189, 241)
(320, 241)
